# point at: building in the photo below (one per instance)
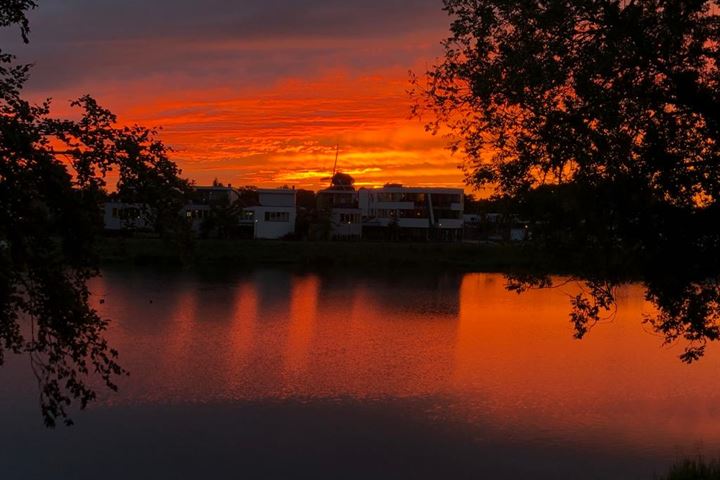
(275, 215)
(339, 206)
(120, 216)
(413, 213)
(496, 227)
(219, 210)
(207, 201)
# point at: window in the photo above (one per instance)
(384, 213)
(390, 197)
(349, 218)
(277, 217)
(413, 213)
(197, 214)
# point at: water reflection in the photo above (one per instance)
(512, 358)
(458, 351)
(684, 308)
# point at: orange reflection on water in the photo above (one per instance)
(242, 332)
(518, 353)
(303, 312)
(479, 354)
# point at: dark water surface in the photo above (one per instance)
(275, 374)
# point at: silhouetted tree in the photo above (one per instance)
(684, 309)
(222, 219)
(342, 181)
(599, 120)
(52, 178)
(306, 199)
(248, 196)
(306, 213)
(589, 92)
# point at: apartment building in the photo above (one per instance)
(413, 212)
(341, 209)
(275, 214)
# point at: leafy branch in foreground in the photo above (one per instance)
(683, 310)
(599, 120)
(52, 178)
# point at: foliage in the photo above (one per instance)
(13, 12)
(222, 220)
(342, 181)
(687, 310)
(248, 196)
(306, 199)
(588, 92)
(598, 121)
(684, 309)
(694, 469)
(52, 177)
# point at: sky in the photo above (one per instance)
(253, 92)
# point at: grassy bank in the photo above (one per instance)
(247, 253)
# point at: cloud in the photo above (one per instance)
(79, 41)
(258, 91)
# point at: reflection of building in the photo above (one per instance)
(339, 206)
(274, 216)
(414, 212)
(417, 294)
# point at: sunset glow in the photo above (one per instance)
(250, 105)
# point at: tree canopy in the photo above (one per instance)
(599, 120)
(342, 181)
(585, 91)
(53, 173)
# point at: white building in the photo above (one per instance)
(275, 216)
(119, 216)
(414, 212)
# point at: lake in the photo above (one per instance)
(283, 374)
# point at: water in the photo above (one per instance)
(277, 374)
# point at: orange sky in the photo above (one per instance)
(251, 96)
(287, 133)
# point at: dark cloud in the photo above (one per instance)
(255, 91)
(75, 43)
(99, 20)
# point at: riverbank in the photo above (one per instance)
(382, 255)
(460, 257)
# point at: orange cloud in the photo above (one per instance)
(288, 133)
(255, 98)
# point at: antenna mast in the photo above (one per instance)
(337, 153)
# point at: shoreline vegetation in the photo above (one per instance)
(695, 468)
(360, 255)
(314, 254)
